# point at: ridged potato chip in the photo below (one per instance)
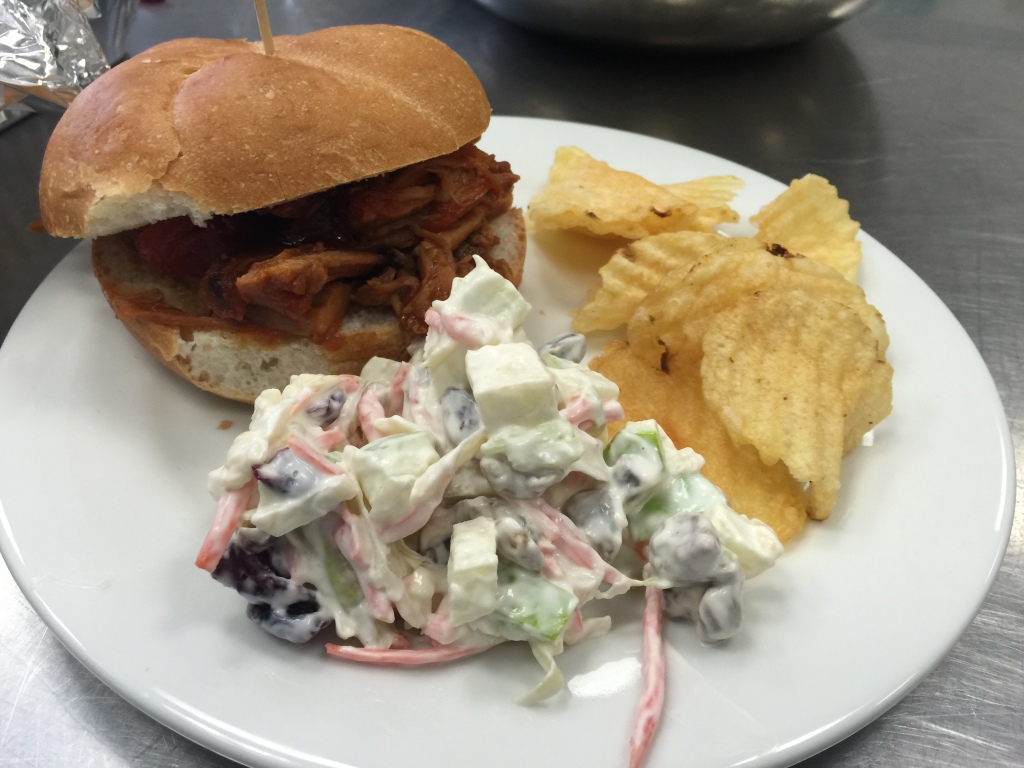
(759, 353)
(867, 403)
(588, 194)
(634, 271)
(810, 218)
(711, 195)
(754, 489)
(783, 368)
(672, 319)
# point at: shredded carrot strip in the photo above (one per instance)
(369, 409)
(311, 456)
(460, 329)
(433, 319)
(576, 622)
(552, 571)
(330, 439)
(350, 543)
(577, 549)
(582, 414)
(613, 411)
(439, 628)
(230, 508)
(578, 411)
(404, 658)
(302, 402)
(395, 392)
(401, 643)
(652, 696)
(349, 382)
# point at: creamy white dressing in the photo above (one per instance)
(472, 494)
(293, 493)
(472, 571)
(388, 469)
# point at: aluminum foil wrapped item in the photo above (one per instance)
(48, 49)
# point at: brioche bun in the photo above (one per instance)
(204, 128)
(198, 127)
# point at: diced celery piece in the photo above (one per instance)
(532, 603)
(317, 543)
(692, 494)
(646, 520)
(342, 579)
(550, 445)
(637, 437)
(472, 570)
(511, 386)
(387, 467)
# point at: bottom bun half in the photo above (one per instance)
(238, 360)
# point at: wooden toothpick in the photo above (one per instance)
(264, 21)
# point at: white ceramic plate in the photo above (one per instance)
(102, 479)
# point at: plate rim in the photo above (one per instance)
(239, 749)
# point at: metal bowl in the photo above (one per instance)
(691, 24)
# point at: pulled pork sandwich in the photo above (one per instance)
(257, 216)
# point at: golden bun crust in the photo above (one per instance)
(238, 360)
(202, 127)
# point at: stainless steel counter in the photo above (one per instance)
(915, 110)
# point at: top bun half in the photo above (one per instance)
(197, 127)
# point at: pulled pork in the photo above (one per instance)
(396, 240)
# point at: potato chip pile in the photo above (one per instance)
(759, 353)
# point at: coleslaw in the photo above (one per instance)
(431, 509)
